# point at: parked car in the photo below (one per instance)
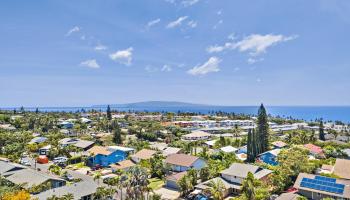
(97, 167)
(25, 162)
(60, 160)
(42, 159)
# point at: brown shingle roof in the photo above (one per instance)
(144, 154)
(99, 150)
(342, 168)
(177, 176)
(181, 159)
(123, 164)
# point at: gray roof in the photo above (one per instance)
(7, 166)
(79, 190)
(76, 142)
(83, 144)
(38, 140)
(288, 196)
(170, 150)
(30, 177)
(67, 141)
(205, 185)
(241, 170)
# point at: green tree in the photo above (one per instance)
(204, 174)
(185, 185)
(97, 176)
(252, 145)
(262, 130)
(68, 196)
(248, 187)
(217, 189)
(253, 189)
(55, 169)
(193, 176)
(109, 113)
(321, 132)
(117, 136)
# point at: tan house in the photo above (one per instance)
(122, 165)
(144, 154)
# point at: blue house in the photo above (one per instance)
(269, 157)
(104, 156)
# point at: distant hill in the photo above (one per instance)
(163, 104)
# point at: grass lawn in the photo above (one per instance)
(155, 183)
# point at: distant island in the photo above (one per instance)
(154, 104)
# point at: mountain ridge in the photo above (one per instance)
(154, 104)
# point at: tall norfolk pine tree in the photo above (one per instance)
(263, 130)
(258, 140)
(252, 147)
(109, 114)
(321, 132)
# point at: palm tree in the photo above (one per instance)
(217, 189)
(53, 197)
(236, 131)
(137, 182)
(248, 187)
(68, 196)
(100, 193)
(97, 177)
(185, 185)
(55, 169)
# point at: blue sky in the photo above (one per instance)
(223, 52)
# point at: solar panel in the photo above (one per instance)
(323, 185)
(323, 178)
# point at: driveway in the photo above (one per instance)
(168, 193)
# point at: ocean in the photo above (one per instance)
(309, 113)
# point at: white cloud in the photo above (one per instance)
(187, 3)
(83, 37)
(90, 63)
(217, 48)
(219, 12)
(254, 60)
(100, 47)
(151, 69)
(255, 44)
(122, 56)
(153, 22)
(72, 30)
(177, 22)
(236, 69)
(166, 68)
(212, 65)
(192, 24)
(170, 1)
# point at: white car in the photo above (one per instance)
(25, 162)
(60, 160)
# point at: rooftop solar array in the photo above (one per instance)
(323, 178)
(323, 184)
